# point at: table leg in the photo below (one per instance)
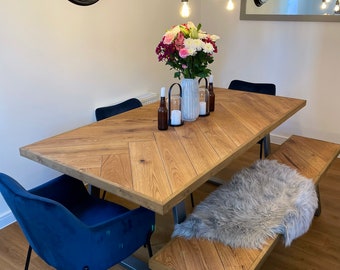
(179, 212)
(94, 191)
(266, 145)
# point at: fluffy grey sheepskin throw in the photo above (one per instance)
(261, 201)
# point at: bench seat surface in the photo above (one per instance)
(310, 157)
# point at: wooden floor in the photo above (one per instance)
(318, 249)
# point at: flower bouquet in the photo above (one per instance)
(188, 50)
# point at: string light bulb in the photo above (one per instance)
(323, 5)
(185, 9)
(230, 5)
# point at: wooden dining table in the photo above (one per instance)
(128, 156)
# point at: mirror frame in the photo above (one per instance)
(275, 17)
(84, 2)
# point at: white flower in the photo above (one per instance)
(214, 37)
(191, 25)
(198, 44)
(202, 35)
(176, 30)
(193, 45)
(208, 48)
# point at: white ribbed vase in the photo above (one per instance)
(190, 99)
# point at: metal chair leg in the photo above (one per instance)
(148, 243)
(28, 257)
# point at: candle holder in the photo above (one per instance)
(204, 99)
(175, 107)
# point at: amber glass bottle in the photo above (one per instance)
(162, 112)
(211, 94)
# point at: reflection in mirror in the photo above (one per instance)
(301, 10)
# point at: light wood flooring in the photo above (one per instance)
(318, 249)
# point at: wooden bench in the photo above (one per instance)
(310, 157)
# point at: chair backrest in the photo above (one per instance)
(50, 228)
(108, 111)
(263, 88)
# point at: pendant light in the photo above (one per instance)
(185, 9)
(230, 5)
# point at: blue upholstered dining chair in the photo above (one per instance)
(262, 88)
(69, 229)
(108, 111)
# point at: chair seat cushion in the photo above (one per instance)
(94, 211)
(72, 194)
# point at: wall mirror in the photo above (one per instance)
(290, 10)
(84, 2)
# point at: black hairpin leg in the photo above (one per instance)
(28, 257)
(148, 243)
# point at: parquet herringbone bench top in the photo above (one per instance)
(308, 156)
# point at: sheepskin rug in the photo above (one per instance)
(261, 201)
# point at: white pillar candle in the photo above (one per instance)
(203, 108)
(176, 117)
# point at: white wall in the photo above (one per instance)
(59, 61)
(301, 58)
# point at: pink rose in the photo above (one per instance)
(183, 53)
(168, 38)
(179, 41)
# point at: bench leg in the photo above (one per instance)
(192, 200)
(318, 211)
(179, 212)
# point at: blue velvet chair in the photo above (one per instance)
(108, 111)
(262, 88)
(69, 229)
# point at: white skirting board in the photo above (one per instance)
(148, 98)
(277, 139)
(6, 219)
